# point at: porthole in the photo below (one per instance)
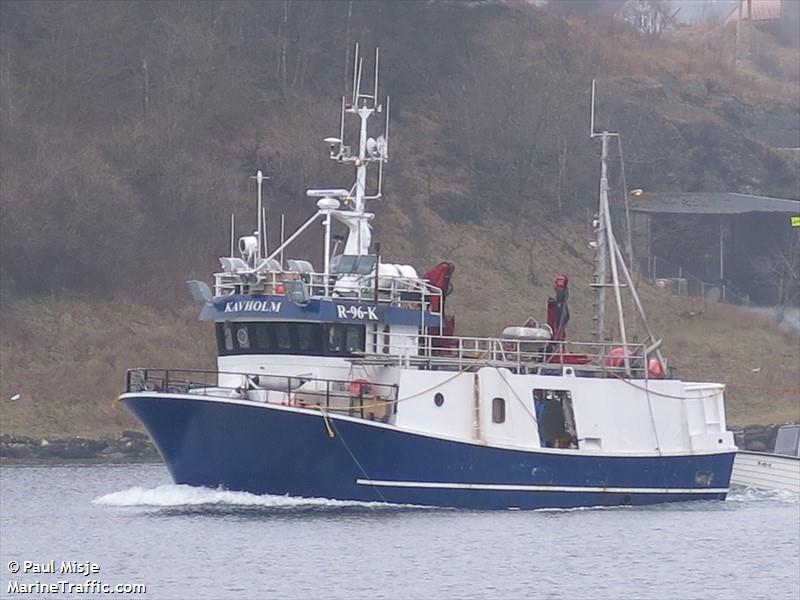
(438, 399)
(498, 410)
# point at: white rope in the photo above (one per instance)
(662, 394)
(520, 400)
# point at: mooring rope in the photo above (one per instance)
(355, 460)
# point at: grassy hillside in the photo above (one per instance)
(67, 357)
(67, 360)
(129, 131)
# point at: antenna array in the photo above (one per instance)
(369, 149)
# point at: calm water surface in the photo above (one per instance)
(184, 542)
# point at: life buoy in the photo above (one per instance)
(360, 387)
(654, 369)
(616, 357)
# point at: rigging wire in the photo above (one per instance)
(355, 460)
(671, 396)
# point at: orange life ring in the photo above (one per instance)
(654, 369)
(616, 357)
(359, 387)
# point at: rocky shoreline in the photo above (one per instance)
(127, 446)
(136, 446)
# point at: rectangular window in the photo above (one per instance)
(242, 336)
(344, 340)
(355, 339)
(387, 340)
(374, 338)
(283, 337)
(308, 339)
(788, 441)
(344, 263)
(335, 339)
(498, 410)
(265, 339)
(226, 339)
(347, 264)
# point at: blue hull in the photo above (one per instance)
(266, 449)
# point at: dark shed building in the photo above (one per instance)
(727, 239)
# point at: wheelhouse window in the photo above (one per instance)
(225, 338)
(310, 339)
(349, 264)
(335, 340)
(306, 337)
(282, 333)
(243, 336)
(354, 338)
(788, 441)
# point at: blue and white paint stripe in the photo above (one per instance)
(504, 487)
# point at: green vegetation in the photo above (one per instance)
(129, 130)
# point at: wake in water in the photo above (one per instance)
(186, 496)
(189, 499)
(753, 495)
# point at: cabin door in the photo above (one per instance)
(556, 418)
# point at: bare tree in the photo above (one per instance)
(782, 266)
(649, 17)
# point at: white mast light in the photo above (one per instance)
(372, 148)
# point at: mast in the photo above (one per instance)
(364, 105)
(261, 219)
(349, 206)
(599, 225)
(606, 245)
(600, 259)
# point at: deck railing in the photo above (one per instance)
(609, 359)
(364, 399)
(406, 292)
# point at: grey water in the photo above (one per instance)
(183, 542)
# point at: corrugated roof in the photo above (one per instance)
(708, 203)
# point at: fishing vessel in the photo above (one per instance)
(776, 470)
(347, 380)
